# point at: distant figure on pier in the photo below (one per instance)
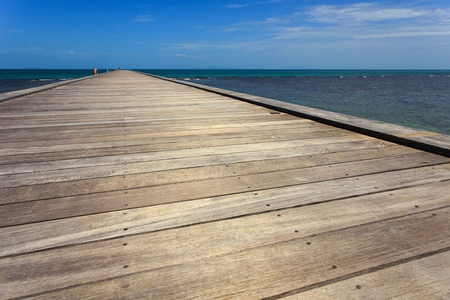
(95, 71)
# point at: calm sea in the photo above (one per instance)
(414, 98)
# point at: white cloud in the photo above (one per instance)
(253, 3)
(442, 15)
(143, 19)
(253, 25)
(346, 22)
(237, 5)
(362, 12)
(403, 34)
(192, 46)
(346, 33)
(249, 45)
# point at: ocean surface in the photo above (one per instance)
(413, 98)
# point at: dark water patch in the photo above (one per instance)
(9, 85)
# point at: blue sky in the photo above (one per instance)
(282, 34)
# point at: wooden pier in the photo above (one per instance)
(127, 186)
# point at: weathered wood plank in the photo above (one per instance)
(147, 124)
(35, 269)
(46, 152)
(425, 278)
(168, 154)
(260, 271)
(183, 190)
(192, 169)
(142, 162)
(128, 186)
(141, 144)
(108, 133)
(155, 125)
(57, 233)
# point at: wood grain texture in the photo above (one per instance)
(127, 186)
(424, 278)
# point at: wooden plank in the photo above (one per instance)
(225, 154)
(73, 151)
(168, 154)
(97, 128)
(50, 234)
(109, 133)
(127, 186)
(307, 220)
(17, 152)
(192, 169)
(137, 121)
(425, 278)
(248, 118)
(186, 190)
(174, 272)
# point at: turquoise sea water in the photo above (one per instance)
(46, 73)
(17, 79)
(199, 73)
(414, 98)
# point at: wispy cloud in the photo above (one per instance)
(192, 46)
(143, 19)
(416, 33)
(356, 21)
(240, 5)
(355, 26)
(255, 45)
(442, 15)
(182, 55)
(254, 25)
(362, 12)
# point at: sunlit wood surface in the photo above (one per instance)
(125, 186)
